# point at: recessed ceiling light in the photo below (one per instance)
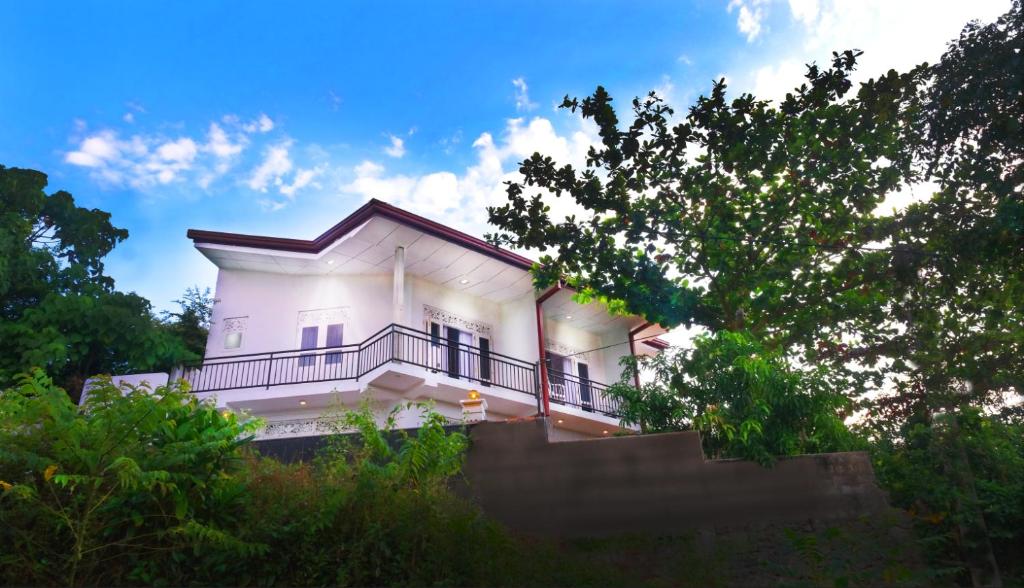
(568, 317)
(560, 421)
(303, 403)
(463, 281)
(330, 262)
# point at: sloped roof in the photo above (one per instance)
(369, 210)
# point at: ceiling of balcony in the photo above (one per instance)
(370, 249)
(592, 317)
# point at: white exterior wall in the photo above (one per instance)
(616, 343)
(517, 329)
(272, 303)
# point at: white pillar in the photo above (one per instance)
(398, 294)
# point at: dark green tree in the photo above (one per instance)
(952, 319)
(741, 216)
(191, 324)
(58, 310)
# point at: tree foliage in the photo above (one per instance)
(58, 310)
(191, 324)
(916, 461)
(90, 492)
(142, 487)
(743, 216)
(745, 400)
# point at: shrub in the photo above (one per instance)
(102, 493)
(745, 399)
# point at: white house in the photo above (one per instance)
(398, 307)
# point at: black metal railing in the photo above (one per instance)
(393, 343)
(571, 390)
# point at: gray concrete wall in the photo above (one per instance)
(654, 484)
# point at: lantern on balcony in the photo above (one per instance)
(474, 408)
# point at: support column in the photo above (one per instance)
(544, 387)
(398, 294)
(632, 349)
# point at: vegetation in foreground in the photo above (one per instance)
(151, 487)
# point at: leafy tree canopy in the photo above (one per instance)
(58, 310)
(743, 216)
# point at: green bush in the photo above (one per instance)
(916, 464)
(105, 493)
(152, 487)
(746, 400)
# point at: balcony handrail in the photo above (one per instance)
(355, 360)
(393, 343)
(423, 335)
(573, 385)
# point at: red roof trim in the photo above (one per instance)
(364, 213)
(657, 343)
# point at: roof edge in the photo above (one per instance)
(372, 208)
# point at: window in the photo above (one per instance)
(232, 341)
(558, 366)
(435, 335)
(309, 336)
(333, 340)
(233, 329)
(584, 372)
(485, 359)
(452, 335)
(457, 347)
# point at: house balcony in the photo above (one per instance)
(511, 385)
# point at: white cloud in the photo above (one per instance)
(276, 163)
(523, 103)
(263, 124)
(805, 11)
(397, 147)
(277, 170)
(146, 160)
(218, 142)
(878, 27)
(181, 151)
(459, 198)
(749, 17)
(303, 177)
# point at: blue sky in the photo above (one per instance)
(280, 119)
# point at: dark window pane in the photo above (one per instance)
(333, 340)
(453, 351)
(485, 359)
(584, 370)
(309, 336)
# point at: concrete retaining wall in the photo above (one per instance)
(654, 484)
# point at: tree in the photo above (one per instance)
(746, 401)
(58, 310)
(192, 323)
(744, 216)
(954, 322)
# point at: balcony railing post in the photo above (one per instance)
(270, 365)
(536, 387)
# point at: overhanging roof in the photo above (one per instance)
(369, 210)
